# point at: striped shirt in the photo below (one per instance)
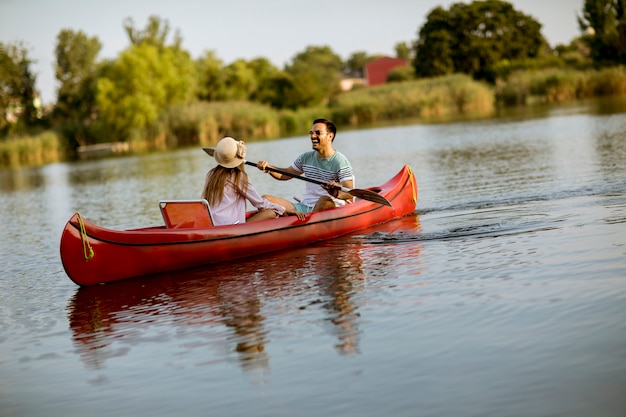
(336, 168)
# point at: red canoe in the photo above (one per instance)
(92, 254)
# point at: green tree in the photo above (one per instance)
(434, 47)
(403, 51)
(134, 90)
(18, 108)
(315, 74)
(575, 54)
(155, 33)
(265, 72)
(240, 80)
(279, 91)
(356, 63)
(472, 38)
(210, 70)
(604, 24)
(76, 71)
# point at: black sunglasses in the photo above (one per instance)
(317, 132)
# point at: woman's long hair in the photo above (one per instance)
(216, 182)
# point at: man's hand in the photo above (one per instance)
(333, 188)
(262, 165)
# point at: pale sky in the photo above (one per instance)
(274, 29)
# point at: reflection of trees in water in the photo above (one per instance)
(340, 277)
(345, 269)
(240, 308)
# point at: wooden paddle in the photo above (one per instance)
(362, 194)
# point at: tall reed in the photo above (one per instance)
(609, 81)
(556, 85)
(298, 122)
(204, 123)
(35, 150)
(451, 95)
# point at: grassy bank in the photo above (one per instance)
(426, 99)
(560, 85)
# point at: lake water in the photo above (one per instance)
(503, 295)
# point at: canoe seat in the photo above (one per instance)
(180, 214)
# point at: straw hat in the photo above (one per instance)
(230, 153)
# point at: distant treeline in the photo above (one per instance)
(426, 100)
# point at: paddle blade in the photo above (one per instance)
(369, 195)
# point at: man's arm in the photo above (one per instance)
(346, 196)
(332, 188)
(263, 165)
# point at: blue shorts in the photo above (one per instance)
(303, 208)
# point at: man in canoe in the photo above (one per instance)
(323, 163)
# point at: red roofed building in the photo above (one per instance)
(377, 69)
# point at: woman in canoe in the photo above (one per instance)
(227, 188)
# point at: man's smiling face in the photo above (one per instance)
(320, 136)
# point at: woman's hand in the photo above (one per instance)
(295, 213)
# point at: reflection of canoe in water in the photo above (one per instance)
(92, 254)
(222, 305)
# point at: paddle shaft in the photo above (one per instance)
(289, 174)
